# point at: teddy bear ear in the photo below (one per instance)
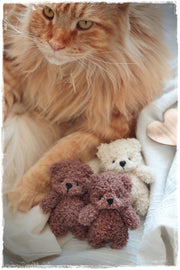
(94, 178)
(55, 169)
(126, 182)
(86, 169)
(135, 144)
(102, 150)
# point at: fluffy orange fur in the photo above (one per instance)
(91, 83)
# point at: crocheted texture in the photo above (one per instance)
(109, 214)
(124, 156)
(68, 196)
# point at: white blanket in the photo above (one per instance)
(27, 237)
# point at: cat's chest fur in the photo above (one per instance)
(55, 94)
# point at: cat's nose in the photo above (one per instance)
(56, 46)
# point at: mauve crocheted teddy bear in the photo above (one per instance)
(68, 196)
(109, 215)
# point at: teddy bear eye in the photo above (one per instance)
(77, 184)
(118, 196)
(61, 181)
(129, 158)
(113, 161)
(100, 197)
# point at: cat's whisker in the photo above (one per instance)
(105, 69)
(82, 63)
(75, 54)
(105, 52)
(108, 52)
(101, 63)
(24, 34)
(32, 45)
(104, 66)
(112, 63)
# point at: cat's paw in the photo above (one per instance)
(20, 200)
(23, 198)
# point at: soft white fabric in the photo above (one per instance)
(162, 211)
(153, 243)
(28, 236)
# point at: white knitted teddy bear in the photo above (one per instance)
(124, 156)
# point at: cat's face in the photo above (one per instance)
(75, 31)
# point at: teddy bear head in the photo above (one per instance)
(123, 155)
(69, 177)
(109, 190)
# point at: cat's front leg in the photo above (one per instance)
(35, 184)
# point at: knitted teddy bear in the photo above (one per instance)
(124, 156)
(68, 196)
(109, 214)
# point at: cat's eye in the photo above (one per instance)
(84, 25)
(48, 13)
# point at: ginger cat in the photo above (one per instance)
(88, 68)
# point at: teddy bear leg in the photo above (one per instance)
(96, 243)
(141, 204)
(95, 239)
(79, 231)
(58, 230)
(57, 226)
(120, 239)
(140, 197)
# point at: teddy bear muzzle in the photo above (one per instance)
(68, 186)
(110, 201)
(122, 163)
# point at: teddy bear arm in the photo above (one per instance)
(49, 202)
(130, 218)
(145, 174)
(87, 215)
(85, 198)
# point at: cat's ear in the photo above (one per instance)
(124, 16)
(123, 7)
(20, 7)
(13, 7)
